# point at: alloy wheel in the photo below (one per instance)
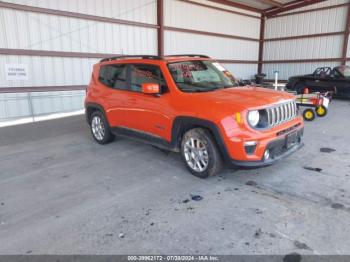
(98, 128)
(196, 154)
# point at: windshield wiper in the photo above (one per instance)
(230, 86)
(201, 89)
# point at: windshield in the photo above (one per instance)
(344, 70)
(201, 76)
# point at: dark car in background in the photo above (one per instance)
(324, 79)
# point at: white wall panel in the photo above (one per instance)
(134, 10)
(54, 102)
(184, 15)
(216, 47)
(316, 22)
(17, 105)
(307, 48)
(24, 30)
(288, 70)
(242, 71)
(14, 105)
(324, 21)
(49, 71)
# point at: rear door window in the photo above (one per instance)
(141, 73)
(114, 76)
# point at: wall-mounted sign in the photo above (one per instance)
(16, 72)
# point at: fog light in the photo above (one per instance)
(267, 154)
(250, 147)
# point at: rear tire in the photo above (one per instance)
(200, 153)
(321, 111)
(100, 129)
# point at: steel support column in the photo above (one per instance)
(346, 37)
(160, 23)
(261, 43)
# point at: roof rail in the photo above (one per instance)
(149, 57)
(131, 56)
(190, 55)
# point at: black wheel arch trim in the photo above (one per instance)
(89, 106)
(182, 124)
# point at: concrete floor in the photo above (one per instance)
(61, 193)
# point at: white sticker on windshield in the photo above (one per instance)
(220, 67)
(205, 76)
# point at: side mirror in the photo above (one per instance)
(150, 88)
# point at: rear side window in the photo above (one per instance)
(114, 76)
(146, 74)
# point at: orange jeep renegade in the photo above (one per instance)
(191, 104)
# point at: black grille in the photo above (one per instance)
(281, 113)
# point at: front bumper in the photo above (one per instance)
(278, 150)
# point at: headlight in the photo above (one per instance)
(253, 118)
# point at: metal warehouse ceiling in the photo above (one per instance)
(263, 4)
(269, 7)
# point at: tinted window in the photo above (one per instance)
(344, 70)
(114, 76)
(322, 71)
(200, 76)
(146, 74)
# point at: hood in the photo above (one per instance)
(299, 76)
(246, 97)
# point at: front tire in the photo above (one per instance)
(200, 153)
(100, 129)
(309, 115)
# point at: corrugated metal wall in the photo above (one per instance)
(25, 30)
(243, 71)
(321, 21)
(185, 15)
(48, 71)
(21, 105)
(189, 16)
(310, 48)
(36, 31)
(132, 10)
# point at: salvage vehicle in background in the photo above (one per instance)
(324, 79)
(191, 104)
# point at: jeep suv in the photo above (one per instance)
(191, 104)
